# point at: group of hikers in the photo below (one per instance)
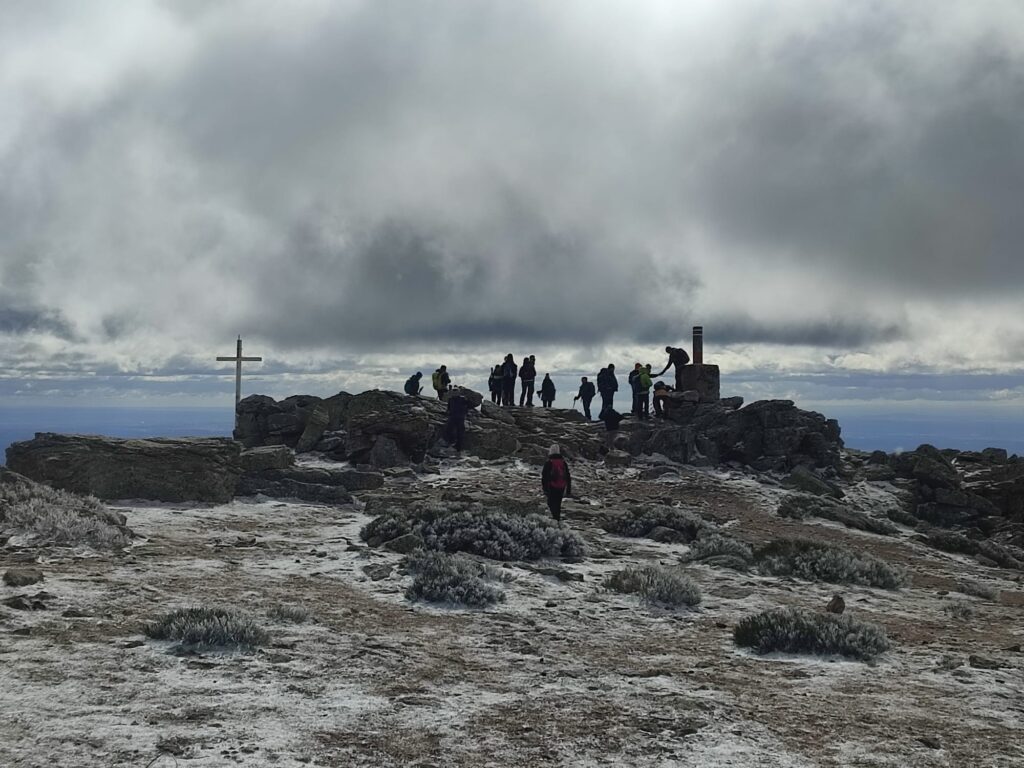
(555, 478)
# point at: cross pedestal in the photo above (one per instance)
(238, 360)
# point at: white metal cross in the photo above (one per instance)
(238, 360)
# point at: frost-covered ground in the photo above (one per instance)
(560, 674)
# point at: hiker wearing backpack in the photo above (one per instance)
(556, 481)
(586, 394)
(440, 380)
(528, 374)
(643, 390)
(607, 385)
(547, 391)
(509, 369)
(455, 427)
(611, 419)
(494, 384)
(677, 357)
(412, 384)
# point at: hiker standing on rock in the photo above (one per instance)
(643, 390)
(509, 369)
(494, 384)
(440, 380)
(586, 394)
(556, 481)
(607, 385)
(634, 388)
(547, 391)
(455, 427)
(677, 357)
(528, 373)
(412, 384)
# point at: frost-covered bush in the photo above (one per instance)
(208, 628)
(1002, 555)
(640, 521)
(293, 614)
(51, 517)
(975, 589)
(656, 585)
(817, 561)
(442, 578)
(470, 528)
(960, 610)
(799, 506)
(716, 549)
(791, 630)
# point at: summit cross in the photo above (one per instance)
(238, 360)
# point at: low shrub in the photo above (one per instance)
(471, 528)
(799, 506)
(975, 589)
(832, 563)
(960, 610)
(51, 517)
(208, 628)
(288, 614)
(640, 521)
(1002, 555)
(792, 630)
(715, 545)
(442, 578)
(655, 585)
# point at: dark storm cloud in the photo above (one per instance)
(839, 333)
(389, 175)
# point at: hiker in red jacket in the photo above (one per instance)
(556, 481)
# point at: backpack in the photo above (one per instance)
(557, 479)
(435, 379)
(412, 385)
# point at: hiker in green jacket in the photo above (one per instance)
(644, 383)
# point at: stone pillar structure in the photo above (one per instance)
(698, 377)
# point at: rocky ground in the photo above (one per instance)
(562, 673)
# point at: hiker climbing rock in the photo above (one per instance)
(556, 481)
(547, 391)
(412, 384)
(586, 394)
(678, 357)
(611, 419)
(661, 390)
(607, 385)
(455, 427)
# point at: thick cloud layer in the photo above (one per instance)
(823, 185)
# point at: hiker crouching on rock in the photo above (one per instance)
(547, 391)
(556, 481)
(611, 419)
(412, 384)
(661, 390)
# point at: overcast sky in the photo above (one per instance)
(361, 189)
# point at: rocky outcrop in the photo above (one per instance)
(387, 429)
(768, 435)
(162, 469)
(298, 421)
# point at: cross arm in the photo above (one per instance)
(242, 359)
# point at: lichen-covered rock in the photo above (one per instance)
(161, 469)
